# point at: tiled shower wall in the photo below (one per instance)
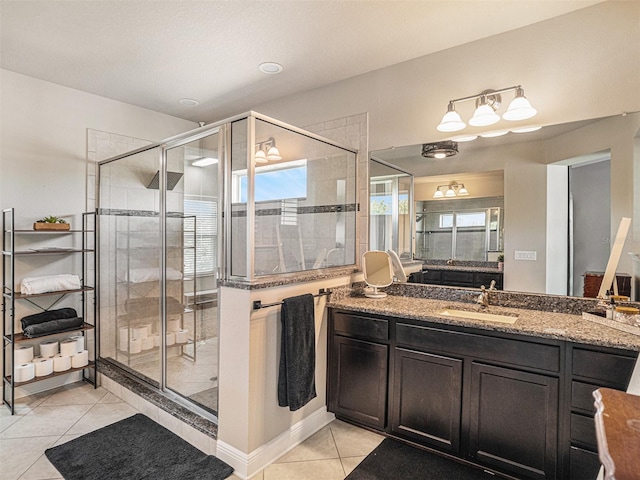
(354, 132)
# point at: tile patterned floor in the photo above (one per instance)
(57, 416)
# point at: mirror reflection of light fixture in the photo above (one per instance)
(439, 149)
(267, 151)
(454, 189)
(204, 162)
(487, 103)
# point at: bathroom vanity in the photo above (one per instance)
(513, 398)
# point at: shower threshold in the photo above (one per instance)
(194, 415)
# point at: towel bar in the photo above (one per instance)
(257, 304)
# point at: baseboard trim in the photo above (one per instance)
(248, 464)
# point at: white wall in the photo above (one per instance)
(43, 155)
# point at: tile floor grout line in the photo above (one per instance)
(337, 450)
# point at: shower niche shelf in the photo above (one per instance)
(11, 297)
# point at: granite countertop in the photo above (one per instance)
(536, 323)
(461, 268)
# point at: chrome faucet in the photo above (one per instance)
(450, 261)
(483, 298)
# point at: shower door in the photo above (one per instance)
(191, 263)
(158, 259)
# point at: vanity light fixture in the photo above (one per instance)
(454, 189)
(267, 151)
(487, 103)
(440, 149)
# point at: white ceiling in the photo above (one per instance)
(152, 53)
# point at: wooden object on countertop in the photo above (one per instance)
(593, 280)
(617, 421)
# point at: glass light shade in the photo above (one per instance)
(463, 191)
(260, 157)
(526, 129)
(519, 109)
(438, 194)
(483, 116)
(497, 133)
(273, 154)
(451, 122)
(440, 155)
(464, 138)
(450, 193)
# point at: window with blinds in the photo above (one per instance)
(204, 259)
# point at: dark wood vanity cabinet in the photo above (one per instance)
(513, 421)
(514, 404)
(427, 401)
(590, 368)
(359, 366)
(460, 278)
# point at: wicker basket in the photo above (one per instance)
(51, 226)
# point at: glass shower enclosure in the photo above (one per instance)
(164, 241)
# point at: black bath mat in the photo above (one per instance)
(393, 460)
(134, 448)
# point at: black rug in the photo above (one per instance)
(393, 460)
(135, 448)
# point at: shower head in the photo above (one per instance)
(172, 180)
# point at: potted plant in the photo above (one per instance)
(501, 262)
(51, 223)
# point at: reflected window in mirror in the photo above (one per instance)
(390, 209)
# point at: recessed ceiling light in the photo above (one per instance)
(270, 68)
(189, 102)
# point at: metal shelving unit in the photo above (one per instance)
(10, 297)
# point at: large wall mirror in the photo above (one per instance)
(549, 201)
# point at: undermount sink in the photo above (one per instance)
(489, 317)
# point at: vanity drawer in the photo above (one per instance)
(583, 431)
(583, 464)
(513, 352)
(612, 369)
(361, 327)
(582, 396)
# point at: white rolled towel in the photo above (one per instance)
(49, 283)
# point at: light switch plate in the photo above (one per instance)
(525, 255)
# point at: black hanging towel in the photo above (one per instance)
(296, 373)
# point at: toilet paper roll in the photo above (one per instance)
(171, 338)
(25, 372)
(139, 332)
(48, 348)
(135, 346)
(68, 347)
(44, 367)
(80, 359)
(147, 343)
(79, 339)
(123, 338)
(23, 354)
(182, 336)
(156, 339)
(61, 363)
(173, 325)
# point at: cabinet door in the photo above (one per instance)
(427, 397)
(359, 376)
(513, 423)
